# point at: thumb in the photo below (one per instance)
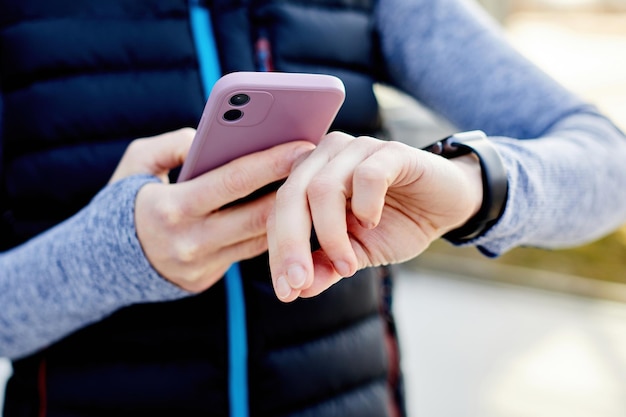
(156, 155)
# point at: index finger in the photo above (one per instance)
(289, 227)
(239, 178)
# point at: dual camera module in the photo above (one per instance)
(236, 100)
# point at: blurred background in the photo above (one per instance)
(534, 333)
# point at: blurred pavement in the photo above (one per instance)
(5, 371)
(479, 348)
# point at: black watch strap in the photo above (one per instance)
(495, 182)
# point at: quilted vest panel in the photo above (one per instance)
(79, 81)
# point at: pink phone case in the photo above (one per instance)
(251, 111)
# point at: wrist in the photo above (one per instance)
(493, 178)
(469, 167)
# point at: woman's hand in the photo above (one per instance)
(185, 232)
(370, 202)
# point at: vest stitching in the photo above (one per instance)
(372, 316)
(336, 396)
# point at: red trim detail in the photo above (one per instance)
(263, 49)
(42, 389)
(395, 408)
(394, 373)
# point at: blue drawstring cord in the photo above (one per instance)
(201, 27)
(237, 344)
(206, 49)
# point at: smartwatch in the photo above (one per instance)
(495, 182)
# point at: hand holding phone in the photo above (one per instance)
(251, 111)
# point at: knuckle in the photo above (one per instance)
(237, 182)
(336, 135)
(280, 167)
(186, 252)
(277, 163)
(172, 211)
(287, 191)
(137, 146)
(134, 145)
(258, 220)
(170, 214)
(321, 188)
(368, 173)
(396, 147)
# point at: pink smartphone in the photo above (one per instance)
(251, 111)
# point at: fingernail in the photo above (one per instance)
(342, 268)
(282, 287)
(367, 225)
(296, 276)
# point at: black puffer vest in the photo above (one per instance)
(79, 80)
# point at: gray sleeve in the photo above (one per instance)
(77, 273)
(564, 159)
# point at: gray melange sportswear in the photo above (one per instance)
(566, 188)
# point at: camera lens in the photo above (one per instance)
(239, 99)
(232, 115)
